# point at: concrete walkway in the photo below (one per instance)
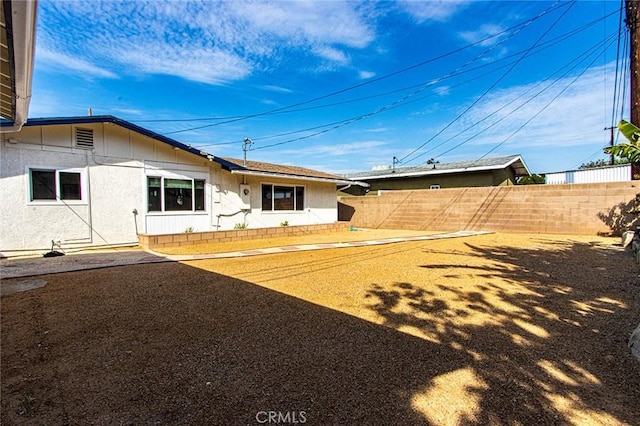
(34, 266)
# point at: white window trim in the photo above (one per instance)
(57, 202)
(162, 176)
(273, 211)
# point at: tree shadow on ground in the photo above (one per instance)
(173, 344)
(539, 337)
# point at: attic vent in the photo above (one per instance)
(84, 138)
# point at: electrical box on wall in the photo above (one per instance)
(245, 196)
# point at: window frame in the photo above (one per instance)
(163, 195)
(58, 199)
(294, 189)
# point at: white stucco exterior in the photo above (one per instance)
(114, 206)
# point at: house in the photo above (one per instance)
(100, 181)
(615, 173)
(17, 46)
(497, 171)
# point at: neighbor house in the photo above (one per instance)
(99, 180)
(497, 171)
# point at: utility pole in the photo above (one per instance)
(632, 9)
(246, 146)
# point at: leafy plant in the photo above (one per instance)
(285, 223)
(240, 226)
(530, 180)
(189, 230)
(630, 150)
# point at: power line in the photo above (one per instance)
(421, 87)
(576, 60)
(557, 5)
(542, 109)
(494, 85)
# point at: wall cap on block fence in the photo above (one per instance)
(176, 240)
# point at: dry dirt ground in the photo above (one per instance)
(491, 329)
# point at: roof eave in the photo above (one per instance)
(244, 172)
(92, 119)
(23, 30)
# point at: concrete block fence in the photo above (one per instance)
(579, 209)
(154, 242)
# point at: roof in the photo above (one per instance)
(483, 164)
(279, 168)
(229, 164)
(258, 168)
(92, 119)
(17, 46)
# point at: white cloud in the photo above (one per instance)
(487, 34)
(277, 89)
(203, 41)
(364, 75)
(334, 150)
(334, 55)
(57, 61)
(423, 11)
(577, 117)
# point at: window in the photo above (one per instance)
(52, 185)
(164, 194)
(278, 197)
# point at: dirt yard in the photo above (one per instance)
(491, 329)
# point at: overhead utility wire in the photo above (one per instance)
(540, 47)
(615, 85)
(556, 5)
(288, 110)
(358, 116)
(398, 101)
(577, 60)
(541, 110)
(589, 51)
(488, 90)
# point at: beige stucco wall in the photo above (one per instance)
(585, 209)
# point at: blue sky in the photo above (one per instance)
(342, 86)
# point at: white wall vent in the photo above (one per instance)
(84, 138)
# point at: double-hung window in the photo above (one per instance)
(168, 195)
(282, 198)
(55, 185)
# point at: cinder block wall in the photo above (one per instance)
(582, 209)
(154, 242)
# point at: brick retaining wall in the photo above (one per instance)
(581, 209)
(154, 242)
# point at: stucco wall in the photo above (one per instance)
(114, 184)
(585, 209)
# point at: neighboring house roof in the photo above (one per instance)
(17, 46)
(495, 163)
(231, 165)
(279, 170)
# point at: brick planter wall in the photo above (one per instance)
(580, 209)
(175, 240)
